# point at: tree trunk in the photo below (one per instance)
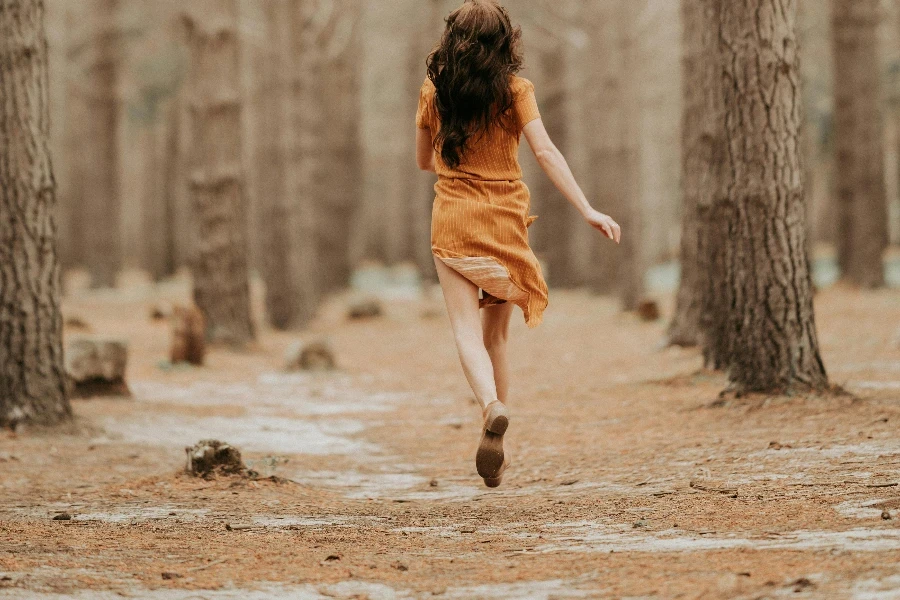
(272, 86)
(770, 330)
(632, 263)
(610, 178)
(858, 131)
(93, 145)
(340, 190)
(703, 161)
(221, 284)
(32, 377)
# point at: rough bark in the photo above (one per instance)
(92, 144)
(703, 159)
(632, 262)
(382, 225)
(216, 181)
(770, 330)
(609, 179)
(272, 86)
(338, 89)
(32, 376)
(861, 197)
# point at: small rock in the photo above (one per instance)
(433, 483)
(161, 312)
(467, 530)
(648, 310)
(212, 456)
(569, 482)
(77, 323)
(400, 566)
(7, 457)
(171, 575)
(236, 527)
(886, 515)
(640, 524)
(802, 584)
(63, 517)
(313, 356)
(97, 366)
(368, 308)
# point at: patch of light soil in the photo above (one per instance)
(589, 536)
(535, 590)
(874, 589)
(255, 433)
(306, 394)
(856, 509)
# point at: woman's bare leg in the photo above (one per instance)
(461, 296)
(495, 333)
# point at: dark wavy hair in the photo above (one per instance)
(472, 68)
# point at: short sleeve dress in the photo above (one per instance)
(480, 219)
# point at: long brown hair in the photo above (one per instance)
(472, 68)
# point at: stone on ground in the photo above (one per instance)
(367, 308)
(96, 366)
(315, 355)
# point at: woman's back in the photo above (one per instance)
(493, 156)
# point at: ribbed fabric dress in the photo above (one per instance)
(480, 219)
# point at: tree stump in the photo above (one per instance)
(96, 366)
(211, 457)
(312, 356)
(188, 336)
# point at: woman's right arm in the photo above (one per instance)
(557, 169)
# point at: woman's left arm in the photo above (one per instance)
(424, 150)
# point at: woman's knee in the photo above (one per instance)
(495, 338)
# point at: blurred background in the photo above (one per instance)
(321, 177)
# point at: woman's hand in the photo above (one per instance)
(604, 224)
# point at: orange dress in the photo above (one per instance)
(480, 219)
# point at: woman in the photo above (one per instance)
(472, 112)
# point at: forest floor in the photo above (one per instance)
(629, 477)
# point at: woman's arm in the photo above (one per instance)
(424, 150)
(554, 164)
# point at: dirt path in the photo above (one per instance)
(628, 480)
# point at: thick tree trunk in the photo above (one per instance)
(703, 159)
(338, 89)
(771, 332)
(93, 145)
(858, 132)
(382, 225)
(32, 377)
(272, 81)
(609, 182)
(221, 284)
(632, 264)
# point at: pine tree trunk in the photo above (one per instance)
(770, 331)
(32, 378)
(94, 145)
(338, 91)
(221, 284)
(858, 132)
(703, 159)
(609, 180)
(272, 81)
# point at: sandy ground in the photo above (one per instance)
(629, 479)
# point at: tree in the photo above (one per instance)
(770, 329)
(92, 150)
(32, 377)
(862, 223)
(703, 162)
(216, 180)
